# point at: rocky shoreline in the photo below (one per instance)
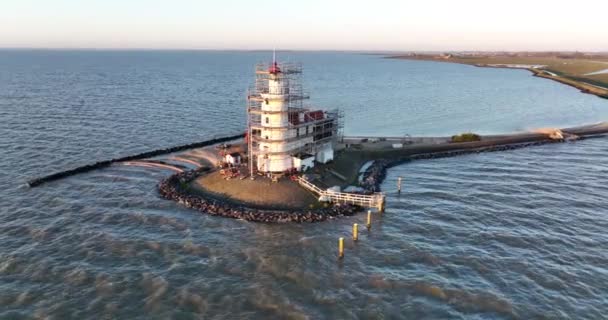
(175, 188)
(376, 172)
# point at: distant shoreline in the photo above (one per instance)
(538, 69)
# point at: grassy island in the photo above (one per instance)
(582, 71)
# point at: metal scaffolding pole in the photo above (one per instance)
(313, 127)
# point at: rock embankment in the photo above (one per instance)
(376, 172)
(176, 186)
(374, 175)
(102, 164)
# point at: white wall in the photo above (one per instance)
(326, 154)
(307, 163)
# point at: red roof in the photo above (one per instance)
(314, 115)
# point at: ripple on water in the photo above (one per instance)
(516, 234)
(528, 236)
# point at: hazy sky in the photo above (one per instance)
(310, 24)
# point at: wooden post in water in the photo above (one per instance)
(381, 205)
(341, 247)
(399, 180)
(369, 219)
(355, 232)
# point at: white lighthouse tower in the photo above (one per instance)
(283, 136)
(274, 123)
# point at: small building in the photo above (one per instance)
(233, 158)
(325, 155)
(303, 161)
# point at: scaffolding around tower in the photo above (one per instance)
(282, 134)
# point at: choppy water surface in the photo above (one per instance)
(518, 234)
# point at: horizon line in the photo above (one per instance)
(287, 50)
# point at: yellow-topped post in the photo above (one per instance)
(369, 219)
(341, 247)
(355, 231)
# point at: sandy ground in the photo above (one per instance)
(261, 192)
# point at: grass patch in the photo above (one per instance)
(466, 137)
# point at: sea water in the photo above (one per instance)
(514, 234)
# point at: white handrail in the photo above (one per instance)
(374, 200)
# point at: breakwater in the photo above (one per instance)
(575, 82)
(459, 152)
(101, 164)
(175, 188)
(389, 157)
(376, 172)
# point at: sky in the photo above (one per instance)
(372, 25)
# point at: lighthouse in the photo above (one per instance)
(284, 136)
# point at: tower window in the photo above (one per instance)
(267, 120)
